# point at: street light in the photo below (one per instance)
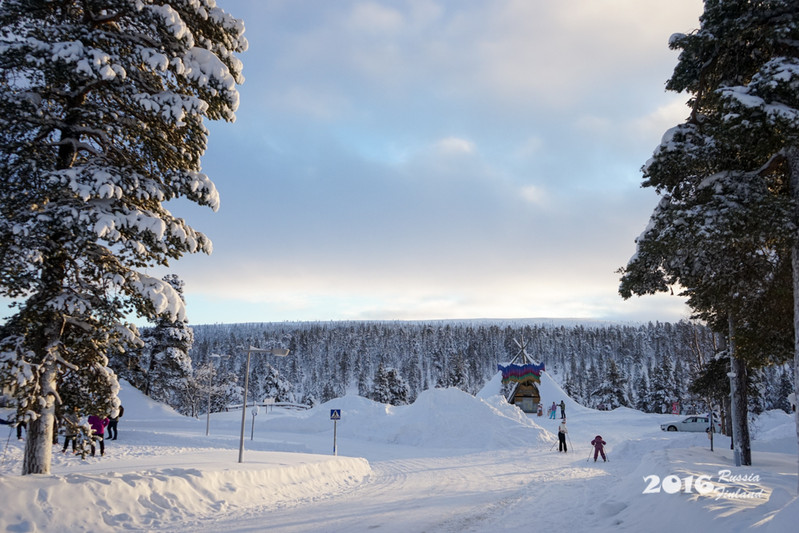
(208, 413)
(280, 352)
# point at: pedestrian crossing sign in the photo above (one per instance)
(335, 414)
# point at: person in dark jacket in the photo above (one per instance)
(563, 410)
(562, 431)
(598, 445)
(71, 429)
(112, 424)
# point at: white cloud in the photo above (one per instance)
(371, 17)
(454, 145)
(507, 294)
(663, 118)
(530, 147)
(534, 195)
(311, 102)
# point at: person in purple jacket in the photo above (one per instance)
(598, 445)
(98, 425)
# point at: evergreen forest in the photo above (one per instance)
(601, 365)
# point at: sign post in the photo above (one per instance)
(335, 416)
(711, 428)
(254, 414)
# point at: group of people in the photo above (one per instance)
(554, 409)
(72, 423)
(598, 443)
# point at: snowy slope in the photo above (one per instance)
(449, 462)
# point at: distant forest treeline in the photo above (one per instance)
(644, 366)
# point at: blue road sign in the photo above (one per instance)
(335, 414)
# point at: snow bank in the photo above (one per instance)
(731, 498)
(551, 391)
(451, 418)
(151, 499)
(439, 418)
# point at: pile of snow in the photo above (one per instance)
(439, 418)
(159, 494)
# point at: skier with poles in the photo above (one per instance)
(598, 445)
(562, 432)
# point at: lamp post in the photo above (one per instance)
(210, 376)
(279, 352)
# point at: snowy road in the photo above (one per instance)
(476, 492)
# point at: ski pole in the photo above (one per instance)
(589, 456)
(570, 441)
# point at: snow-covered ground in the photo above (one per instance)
(449, 462)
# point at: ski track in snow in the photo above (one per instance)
(473, 492)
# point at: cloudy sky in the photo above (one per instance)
(433, 159)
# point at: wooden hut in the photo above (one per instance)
(523, 375)
(525, 396)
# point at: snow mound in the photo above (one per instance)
(155, 499)
(550, 392)
(355, 410)
(140, 407)
(451, 418)
(492, 388)
(439, 418)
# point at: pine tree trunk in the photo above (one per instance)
(39, 435)
(738, 407)
(793, 161)
(726, 425)
(796, 350)
(742, 411)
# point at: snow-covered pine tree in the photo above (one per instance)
(381, 391)
(102, 106)
(276, 386)
(458, 372)
(612, 391)
(661, 387)
(642, 390)
(364, 383)
(726, 225)
(169, 343)
(398, 388)
(192, 395)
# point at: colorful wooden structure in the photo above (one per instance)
(523, 375)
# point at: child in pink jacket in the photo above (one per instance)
(598, 445)
(98, 429)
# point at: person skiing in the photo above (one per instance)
(562, 431)
(563, 410)
(553, 410)
(598, 445)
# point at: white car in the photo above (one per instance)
(692, 423)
